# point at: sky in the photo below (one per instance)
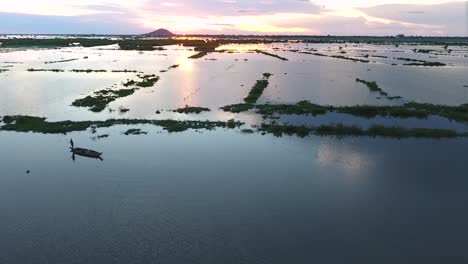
(278, 17)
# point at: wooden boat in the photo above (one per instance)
(88, 153)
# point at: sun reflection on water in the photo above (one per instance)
(344, 156)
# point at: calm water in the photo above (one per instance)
(222, 196)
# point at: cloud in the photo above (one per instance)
(451, 18)
(230, 7)
(11, 23)
(237, 17)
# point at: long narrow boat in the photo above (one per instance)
(88, 153)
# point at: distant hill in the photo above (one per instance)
(160, 33)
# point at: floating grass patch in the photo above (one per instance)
(175, 66)
(271, 55)
(280, 130)
(408, 110)
(100, 99)
(125, 71)
(257, 89)
(423, 63)
(426, 64)
(44, 70)
(333, 56)
(60, 61)
(199, 55)
(301, 108)
(135, 131)
(373, 86)
(192, 110)
(40, 125)
(237, 108)
(247, 131)
(86, 70)
(146, 81)
(4, 70)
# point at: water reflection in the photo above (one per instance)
(335, 154)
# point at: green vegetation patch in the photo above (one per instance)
(199, 55)
(59, 61)
(135, 131)
(373, 86)
(192, 110)
(146, 81)
(409, 110)
(86, 70)
(257, 89)
(271, 55)
(44, 70)
(125, 71)
(40, 125)
(100, 99)
(301, 108)
(332, 56)
(238, 108)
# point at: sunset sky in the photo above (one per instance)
(335, 17)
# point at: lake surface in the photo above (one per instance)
(223, 196)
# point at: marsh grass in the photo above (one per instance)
(373, 86)
(199, 55)
(192, 110)
(146, 81)
(44, 70)
(99, 101)
(271, 55)
(40, 125)
(332, 56)
(60, 61)
(257, 89)
(238, 108)
(135, 131)
(86, 70)
(408, 110)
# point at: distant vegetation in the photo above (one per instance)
(54, 42)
